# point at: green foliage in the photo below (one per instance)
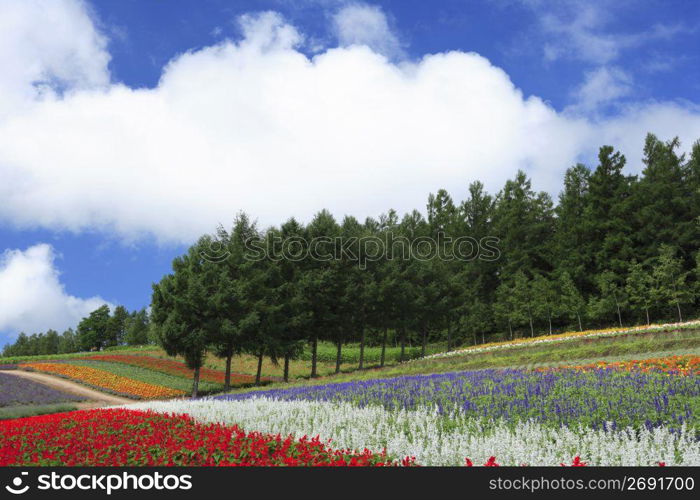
(137, 328)
(13, 412)
(93, 331)
(671, 279)
(640, 288)
(145, 375)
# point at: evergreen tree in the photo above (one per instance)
(640, 288)
(524, 222)
(67, 342)
(185, 319)
(137, 328)
(611, 299)
(571, 302)
(93, 331)
(608, 214)
(574, 253)
(671, 280)
(663, 201)
(116, 329)
(544, 297)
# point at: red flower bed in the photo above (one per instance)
(172, 367)
(120, 437)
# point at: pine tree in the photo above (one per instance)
(571, 302)
(93, 330)
(544, 299)
(137, 328)
(611, 298)
(640, 288)
(609, 213)
(574, 253)
(671, 280)
(182, 312)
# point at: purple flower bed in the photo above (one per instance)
(602, 398)
(20, 391)
(8, 367)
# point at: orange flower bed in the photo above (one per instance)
(172, 367)
(682, 365)
(102, 379)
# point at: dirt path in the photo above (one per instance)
(96, 398)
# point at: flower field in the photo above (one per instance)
(598, 399)
(172, 367)
(104, 380)
(562, 337)
(603, 416)
(593, 416)
(126, 437)
(18, 391)
(680, 365)
(434, 439)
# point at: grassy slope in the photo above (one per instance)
(20, 411)
(584, 350)
(146, 375)
(247, 364)
(633, 346)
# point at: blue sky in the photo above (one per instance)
(130, 127)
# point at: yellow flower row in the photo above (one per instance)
(561, 337)
(105, 380)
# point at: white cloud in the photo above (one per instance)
(362, 24)
(32, 298)
(257, 125)
(579, 30)
(45, 46)
(601, 86)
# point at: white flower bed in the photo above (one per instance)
(435, 441)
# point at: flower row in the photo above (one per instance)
(104, 380)
(600, 398)
(21, 391)
(561, 337)
(172, 367)
(118, 437)
(434, 439)
(680, 365)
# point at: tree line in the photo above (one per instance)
(615, 249)
(102, 328)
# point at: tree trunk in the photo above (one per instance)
(680, 316)
(483, 337)
(510, 329)
(227, 377)
(286, 367)
(362, 349)
(424, 343)
(549, 316)
(532, 328)
(386, 332)
(338, 355)
(403, 345)
(647, 311)
(474, 335)
(449, 336)
(617, 305)
(260, 362)
(314, 356)
(195, 383)
(580, 326)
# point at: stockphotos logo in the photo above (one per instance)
(17, 488)
(103, 482)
